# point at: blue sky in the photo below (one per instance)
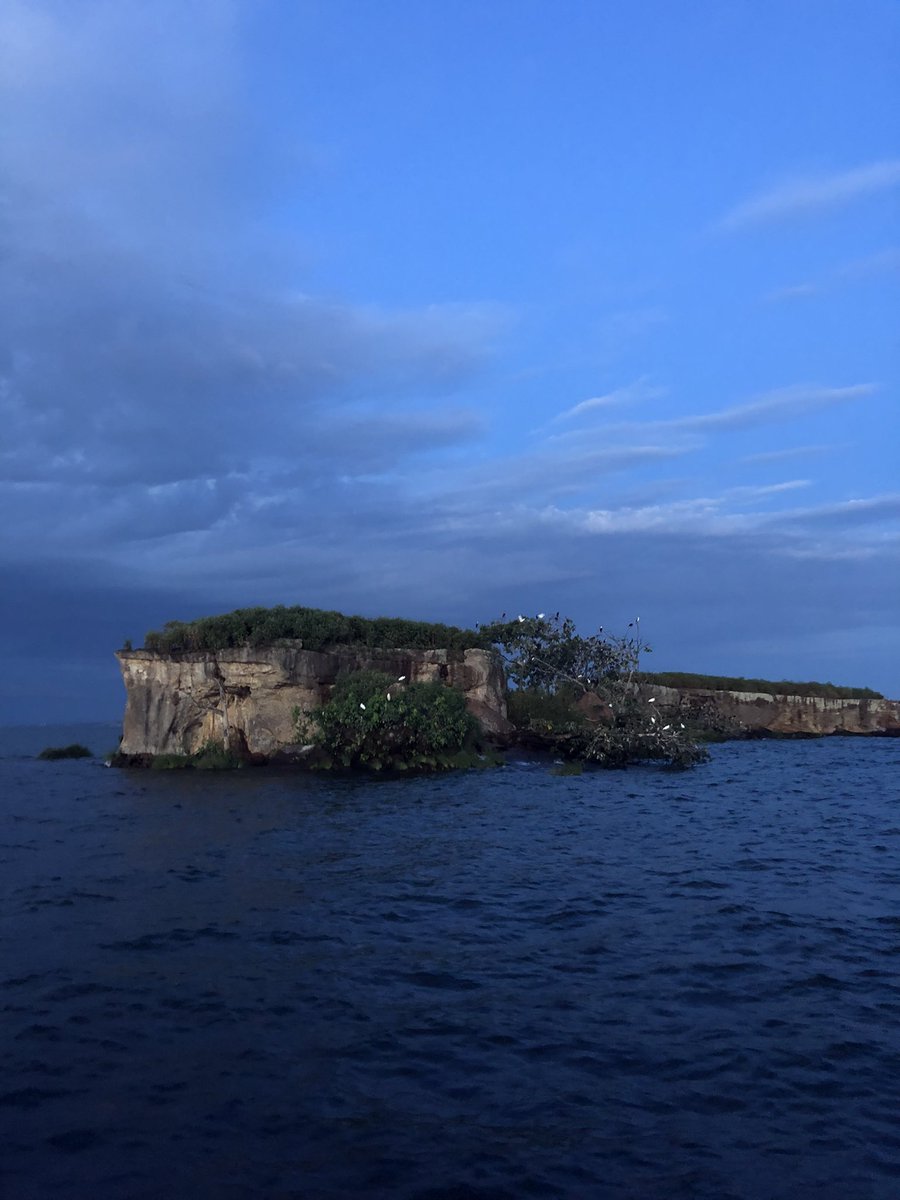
(447, 309)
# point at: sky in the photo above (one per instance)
(440, 310)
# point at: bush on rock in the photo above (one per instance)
(380, 723)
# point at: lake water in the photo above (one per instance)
(491, 985)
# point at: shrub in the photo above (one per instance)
(74, 751)
(375, 722)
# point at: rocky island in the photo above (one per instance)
(247, 683)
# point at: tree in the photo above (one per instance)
(611, 721)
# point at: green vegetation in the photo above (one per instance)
(542, 711)
(316, 628)
(578, 696)
(210, 757)
(74, 751)
(783, 687)
(377, 723)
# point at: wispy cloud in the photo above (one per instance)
(559, 470)
(854, 526)
(884, 262)
(809, 193)
(633, 393)
(857, 270)
(758, 491)
(793, 291)
(791, 452)
(867, 510)
(779, 405)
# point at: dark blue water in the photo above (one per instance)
(497, 984)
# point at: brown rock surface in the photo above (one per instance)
(245, 697)
(761, 714)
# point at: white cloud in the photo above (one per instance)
(865, 526)
(704, 513)
(755, 491)
(780, 404)
(807, 194)
(630, 394)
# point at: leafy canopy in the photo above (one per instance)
(609, 720)
(379, 723)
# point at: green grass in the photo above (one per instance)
(208, 758)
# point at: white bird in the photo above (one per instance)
(521, 619)
(362, 706)
(389, 695)
(652, 700)
(540, 616)
(653, 719)
(665, 727)
(400, 678)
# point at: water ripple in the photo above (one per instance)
(494, 985)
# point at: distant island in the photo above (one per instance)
(74, 750)
(297, 684)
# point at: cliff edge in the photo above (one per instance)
(762, 714)
(245, 698)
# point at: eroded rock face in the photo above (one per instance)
(760, 714)
(246, 697)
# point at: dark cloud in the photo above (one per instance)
(161, 369)
(187, 428)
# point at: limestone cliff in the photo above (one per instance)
(759, 714)
(246, 697)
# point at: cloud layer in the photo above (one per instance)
(191, 423)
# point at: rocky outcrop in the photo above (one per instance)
(246, 698)
(760, 714)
